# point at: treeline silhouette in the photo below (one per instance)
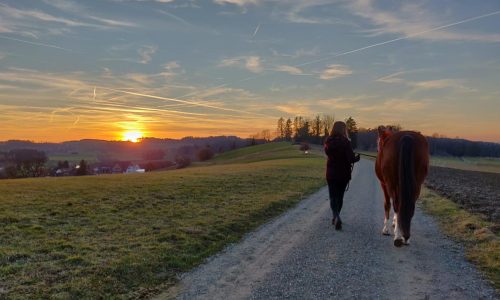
(442, 146)
(314, 130)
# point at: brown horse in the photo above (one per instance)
(402, 165)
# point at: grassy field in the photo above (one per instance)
(480, 164)
(482, 246)
(259, 153)
(122, 236)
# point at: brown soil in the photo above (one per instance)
(478, 192)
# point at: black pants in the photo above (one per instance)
(336, 190)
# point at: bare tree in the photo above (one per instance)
(328, 121)
(280, 130)
(288, 130)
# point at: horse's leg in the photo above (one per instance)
(398, 238)
(387, 210)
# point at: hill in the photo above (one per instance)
(94, 150)
(130, 235)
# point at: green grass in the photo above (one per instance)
(482, 246)
(481, 164)
(271, 151)
(122, 236)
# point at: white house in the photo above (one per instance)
(134, 169)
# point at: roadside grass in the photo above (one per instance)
(124, 236)
(482, 246)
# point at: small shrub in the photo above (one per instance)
(205, 154)
(182, 161)
(304, 147)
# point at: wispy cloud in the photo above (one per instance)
(298, 53)
(289, 69)
(395, 105)
(26, 22)
(335, 71)
(82, 11)
(392, 78)
(442, 83)
(146, 53)
(237, 2)
(295, 108)
(410, 18)
(251, 63)
(297, 12)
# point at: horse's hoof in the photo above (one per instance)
(398, 242)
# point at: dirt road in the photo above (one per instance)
(300, 256)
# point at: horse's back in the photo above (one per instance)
(389, 160)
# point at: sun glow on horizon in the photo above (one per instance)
(132, 136)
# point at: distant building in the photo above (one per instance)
(63, 172)
(134, 169)
(117, 169)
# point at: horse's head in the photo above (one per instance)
(381, 129)
(383, 134)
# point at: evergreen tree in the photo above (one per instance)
(82, 168)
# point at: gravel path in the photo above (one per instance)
(300, 256)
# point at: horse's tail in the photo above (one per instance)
(407, 184)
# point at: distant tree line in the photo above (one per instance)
(310, 130)
(438, 145)
(23, 163)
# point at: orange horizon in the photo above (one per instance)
(121, 137)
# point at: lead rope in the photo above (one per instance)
(349, 182)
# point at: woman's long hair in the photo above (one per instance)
(339, 128)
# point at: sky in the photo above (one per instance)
(73, 70)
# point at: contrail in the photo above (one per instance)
(401, 38)
(362, 48)
(299, 65)
(185, 102)
(35, 43)
(256, 30)
(178, 19)
(94, 93)
(76, 121)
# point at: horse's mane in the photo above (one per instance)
(382, 137)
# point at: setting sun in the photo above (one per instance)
(132, 136)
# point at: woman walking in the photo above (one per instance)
(338, 168)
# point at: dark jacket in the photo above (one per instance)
(340, 157)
